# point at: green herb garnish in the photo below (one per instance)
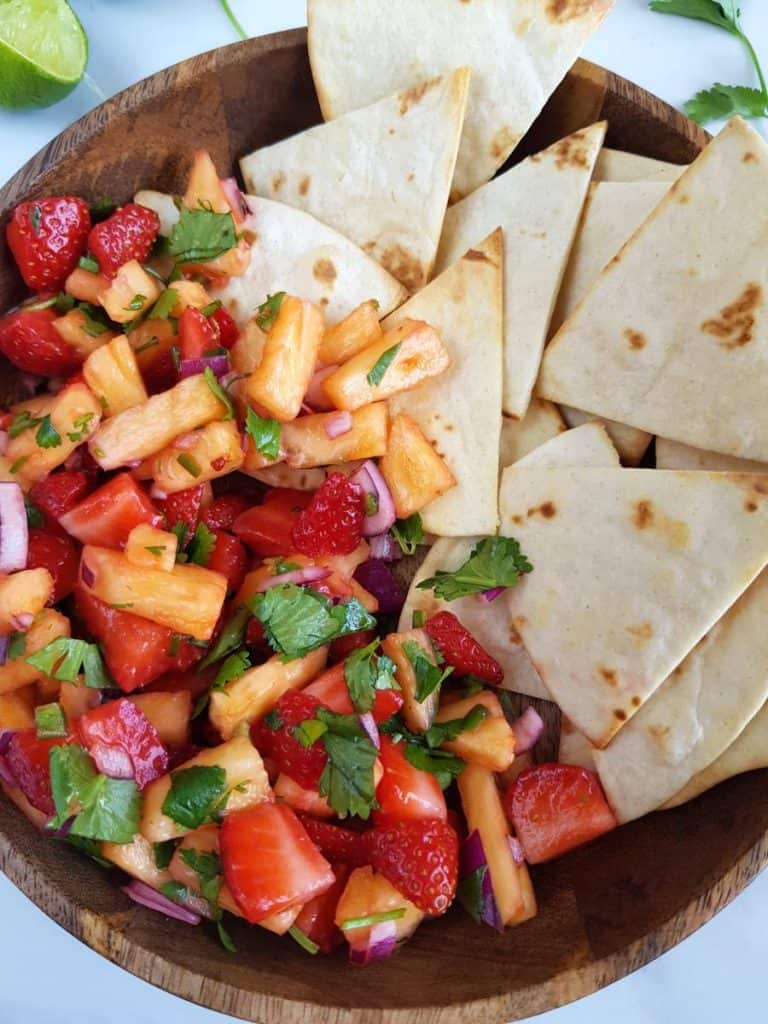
(409, 533)
(265, 434)
(219, 392)
(65, 658)
(103, 808)
(494, 562)
(365, 672)
(426, 668)
(196, 795)
(376, 374)
(90, 264)
(200, 548)
(191, 465)
(201, 235)
(267, 312)
(369, 919)
(50, 720)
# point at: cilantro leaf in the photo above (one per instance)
(47, 435)
(347, 781)
(165, 305)
(724, 101)
(81, 427)
(34, 515)
(22, 421)
(200, 548)
(230, 638)
(469, 893)
(17, 646)
(265, 434)
(408, 533)
(700, 10)
(267, 312)
(376, 374)
(50, 720)
(494, 562)
(207, 867)
(191, 465)
(309, 732)
(219, 392)
(427, 671)
(444, 732)
(163, 853)
(236, 665)
(365, 672)
(65, 658)
(195, 795)
(201, 235)
(104, 808)
(90, 264)
(440, 763)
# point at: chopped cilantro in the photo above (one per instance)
(369, 919)
(444, 732)
(273, 720)
(230, 638)
(17, 646)
(93, 324)
(408, 533)
(136, 303)
(418, 619)
(61, 302)
(165, 305)
(347, 781)
(303, 940)
(376, 374)
(91, 848)
(155, 549)
(219, 392)
(469, 893)
(196, 795)
(265, 434)
(211, 308)
(190, 464)
(47, 435)
(104, 808)
(101, 207)
(90, 264)
(427, 671)
(22, 421)
(173, 645)
(65, 658)
(147, 345)
(200, 548)
(201, 235)
(232, 668)
(365, 672)
(81, 427)
(309, 732)
(371, 504)
(494, 562)
(50, 720)
(16, 466)
(163, 853)
(283, 567)
(267, 312)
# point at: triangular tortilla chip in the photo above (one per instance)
(631, 567)
(694, 715)
(538, 204)
(575, 748)
(673, 455)
(541, 422)
(673, 337)
(518, 51)
(295, 253)
(490, 622)
(381, 175)
(616, 165)
(460, 411)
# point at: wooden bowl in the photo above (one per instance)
(605, 910)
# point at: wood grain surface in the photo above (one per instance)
(605, 910)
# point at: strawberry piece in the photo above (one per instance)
(128, 234)
(229, 332)
(405, 792)
(332, 523)
(184, 507)
(47, 237)
(303, 764)
(31, 342)
(123, 742)
(269, 862)
(331, 690)
(59, 492)
(317, 918)
(555, 807)
(343, 646)
(337, 843)
(28, 759)
(460, 649)
(421, 860)
(197, 334)
(58, 555)
(108, 515)
(229, 558)
(267, 528)
(223, 511)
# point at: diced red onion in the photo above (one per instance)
(237, 201)
(338, 423)
(218, 364)
(381, 943)
(3, 441)
(4, 644)
(309, 574)
(14, 535)
(316, 397)
(527, 729)
(472, 857)
(379, 581)
(112, 761)
(186, 442)
(516, 850)
(157, 492)
(368, 722)
(22, 622)
(6, 775)
(307, 408)
(492, 594)
(63, 831)
(369, 478)
(385, 547)
(75, 460)
(150, 898)
(87, 575)
(6, 735)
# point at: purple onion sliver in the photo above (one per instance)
(235, 197)
(6, 735)
(338, 423)
(150, 898)
(156, 492)
(471, 858)
(63, 831)
(4, 644)
(22, 622)
(368, 723)
(6, 775)
(516, 850)
(369, 478)
(218, 364)
(14, 532)
(75, 460)
(382, 940)
(87, 575)
(527, 729)
(376, 578)
(385, 547)
(492, 594)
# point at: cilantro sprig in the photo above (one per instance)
(408, 533)
(376, 374)
(265, 434)
(196, 796)
(494, 562)
(65, 658)
(103, 808)
(365, 672)
(201, 235)
(207, 866)
(347, 781)
(427, 669)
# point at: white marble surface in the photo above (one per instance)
(47, 977)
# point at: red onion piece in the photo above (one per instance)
(379, 581)
(381, 943)
(472, 857)
(87, 575)
(492, 594)
(236, 199)
(516, 850)
(63, 831)
(338, 423)
(369, 478)
(150, 898)
(385, 547)
(4, 644)
(75, 460)
(218, 364)
(22, 622)
(112, 761)
(14, 535)
(6, 775)
(316, 397)
(368, 722)
(527, 729)
(6, 735)
(309, 574)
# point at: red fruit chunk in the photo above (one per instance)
(123, 742)
(107, 516)
(197, 334)
(555, 807)
(59, 556)
(303, 764)
(267, 528)
(343, 646)
(332, 523)
(337, 843)
(60, 492)
(227, 326)
(230, 559)
(331, 690)
(460, 649)
(184, 507)
(127, 234)
(405, 792)
(421, 860)
(28, 759)
(317, 918)
(47, 237)
(31, 342)
(223, 511)
(269, 862)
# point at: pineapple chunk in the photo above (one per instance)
(85, 286)
(17, 709)
(257, 691)
(414, 472)
(77, 698)
(48, 625)
(368, 892)
(75, 415)
(38, 819)
(73, 331)
(247, 784)
(169, 713)
(356, 331)
(151, 340)
(112, 374)
(137, 859)
(187, 600)
(203, 840)
(232, 263)
(419, 354)
(247, 351)
(280, 381)
(308, 800)
(190, 295)
(193, 458)
(21, 594)
(46, 690)
(280, 475)
(418, 715)
(150, 548)
(307, 444)
(492, 743)
(145, 429)
(204, 188)
(130, 293)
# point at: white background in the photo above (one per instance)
(46, 977)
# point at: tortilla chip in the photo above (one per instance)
(460, 411)
(673, 337)
(631, 568)
(616, 165)
(673, 455)
(538, 204)
(381, 175)
(630, 443)
(295, 253)
(518, 437)
(575, 748)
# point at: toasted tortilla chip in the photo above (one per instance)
(695, 715)
(630, 443)
(518, 437)
(460, 411)
(518, 50)
(538, 204)
(616, 165)
(673, 337)
(380, 175)
(631, 568)
(673, 455)
(575, 748)
(490, 622)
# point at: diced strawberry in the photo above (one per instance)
(123, 742)
(59, 556)
(405, 792)
(421, 860)
(28, 759)
(332, 523)
(223, 511)
(197, 333)
(267, 528)
(337, 843)
(196, 681)
(254, 634)
(127, 234)
(227, 325)
(343, 646)
(229, 558)
(460, 649)
(185, 507)
(269, 862)
(31, 342)
(317, 918)
(303, 764)
(47, 237)
(107, 516)
(555, 807)
(59, 492)
(331, 690)
(136, 650)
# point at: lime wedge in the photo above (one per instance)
(43, 52)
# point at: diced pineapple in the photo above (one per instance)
(215, 450)
(113, 375)
(23, 594)
(168, 712)
(367, 893)
(85, 286)
(247, 351)
(418, 715)
(150, 548)
(187, 600)
(75, 415)
(356, 331)
(417, 354)
(46, 690)
(257, 691)
(281, 922)
(204, 189)
(414, 472)
(145, 429)
(307, 444)
(280, 381)
(232, 263)
(151, 340)
(38, 819)
(74, 331)
(190, 295)
(17, 709)
(203, 840)
(131, 292)
(300, 799)
(77, 698)
(47, 626)
(247, 784)
(281, 475)
(137, 859)
(492, 743)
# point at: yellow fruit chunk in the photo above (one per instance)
(356, 331)
(189, 294)
(204, 189)
(168, 712)
(247, 351)
(74, 330)
(112, 374)
(366, 893)
(137, 859)
(418, 715)
(215, 450)
(414, 472)
(85, 286)
(49, 625)
(151, 340)
(307, 444)
(17, 709)
(131, 292)
(492, 743)
(307, 800)
(23, 594)
(75, 415)
(150, 548)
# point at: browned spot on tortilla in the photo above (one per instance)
(514, 636)
(404, 266)
(520, 621)
(643, 514)
(410, 177)
(674, 531)
(751, 506)
(304, 185)
(324, 271)
(278, 181)
(566, 726)
(475, 254)
(635, 338)
(621, 715)
(636, 702)
(643, 632)
(517, 520)
(749, 157)
(683, 198)
(734, 324)
(610, 675)
(416, 93)
(324, 300)
(503, 142)
(570, 152)
(658, 732)
(547, 510)
(566, 10)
